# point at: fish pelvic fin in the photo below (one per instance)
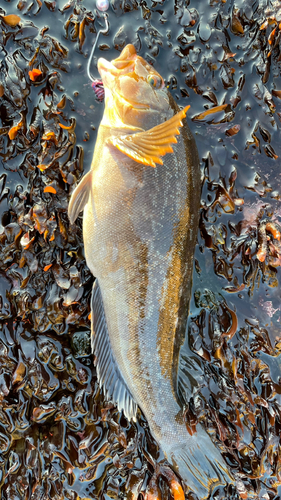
(79, 197)
(108, 373)
(199, 464)
(147, 147)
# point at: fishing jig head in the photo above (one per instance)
(97, 85)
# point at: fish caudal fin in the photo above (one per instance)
(199, 464)
(79, 197)
(108, 373)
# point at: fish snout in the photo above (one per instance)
(121, 65)
(126, 59)
(127, 53)
(115, 68)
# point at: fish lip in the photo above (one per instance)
(104, 65)
(108, 66)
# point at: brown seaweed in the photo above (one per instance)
(59, 438)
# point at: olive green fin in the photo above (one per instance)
(147, 147)
(79, 197)
(108, 373)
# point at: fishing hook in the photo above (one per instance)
(104, 31)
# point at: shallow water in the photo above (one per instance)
(58, 437)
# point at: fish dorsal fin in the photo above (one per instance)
(79, 197)
(108, 373)
(147, 147)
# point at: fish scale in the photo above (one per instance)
(139, 229)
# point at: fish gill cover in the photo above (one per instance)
(59, 439)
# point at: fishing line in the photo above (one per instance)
(97, 85)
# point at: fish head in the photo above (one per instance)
(134, 91)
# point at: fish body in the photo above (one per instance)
(139, 226)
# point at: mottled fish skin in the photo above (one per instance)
(140, 226)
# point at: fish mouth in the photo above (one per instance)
(124, 68)
(107, 66)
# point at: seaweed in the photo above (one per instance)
(59, 438)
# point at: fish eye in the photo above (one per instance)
(155, 81)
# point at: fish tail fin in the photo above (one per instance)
(199, 464)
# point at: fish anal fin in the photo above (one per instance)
(147, 147)
(79, 197)
(108, 372)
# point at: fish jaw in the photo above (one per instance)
(121, 114)
(113, 119)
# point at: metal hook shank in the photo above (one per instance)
(94, 47)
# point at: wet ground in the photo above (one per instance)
(59, 439)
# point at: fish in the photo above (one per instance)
(141, 213)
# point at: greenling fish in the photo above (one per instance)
(141, 203)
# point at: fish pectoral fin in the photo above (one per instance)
(147, 147)
(79, 197)
(108, 373)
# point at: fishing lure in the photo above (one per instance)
(97, 85)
